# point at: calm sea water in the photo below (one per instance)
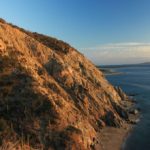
(136, 80)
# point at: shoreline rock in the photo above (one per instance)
(105, 140)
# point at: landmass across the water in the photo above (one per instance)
(111, 69)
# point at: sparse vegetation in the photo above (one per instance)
(48, 94)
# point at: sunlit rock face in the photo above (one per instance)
(50, 94)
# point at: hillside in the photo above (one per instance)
(146, 63)
(51, 96)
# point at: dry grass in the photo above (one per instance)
(44, 85)
(16, 146)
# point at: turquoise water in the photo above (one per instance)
(136, 80)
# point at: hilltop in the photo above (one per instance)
(51, 95)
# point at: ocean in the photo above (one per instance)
(135, 80)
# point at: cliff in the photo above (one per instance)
(51, 96)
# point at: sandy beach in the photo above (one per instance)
(111, 138)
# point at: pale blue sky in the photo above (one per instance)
(88, 25)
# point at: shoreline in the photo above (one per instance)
(126, 137)
(112, 138)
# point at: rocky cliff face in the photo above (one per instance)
(51, 96)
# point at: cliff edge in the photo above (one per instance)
(51, 96)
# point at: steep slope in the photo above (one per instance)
(51, 96)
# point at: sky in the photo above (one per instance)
(106, 31)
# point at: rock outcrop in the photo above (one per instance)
(51, 96)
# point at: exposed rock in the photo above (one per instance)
(50, 95)
(134, 111)
(101, 123)
(121, 111)
(134, 121)
(110, 120)
(121, 93)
